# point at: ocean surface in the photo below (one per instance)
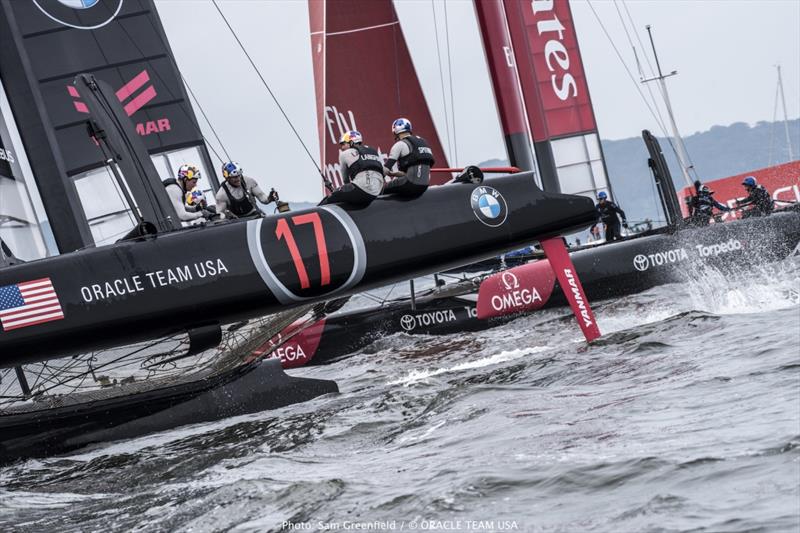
(684, 417)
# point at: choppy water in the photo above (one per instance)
(686, 416)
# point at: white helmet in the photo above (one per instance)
(400, 125)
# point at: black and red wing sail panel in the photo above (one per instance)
(364, 79)
(505, 82)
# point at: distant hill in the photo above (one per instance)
(717, 153)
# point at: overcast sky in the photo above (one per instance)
(724, 52)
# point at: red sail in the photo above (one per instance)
(553, 80)
(364, 79)
(556, 96)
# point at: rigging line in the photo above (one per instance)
(266, 85)
(644, 51)
(638, 89)
(129, 208)
(450, 74)
(208, 121)
(167, 87)
(660, 119)
(649, 65)
(441, 79)
(772, 126)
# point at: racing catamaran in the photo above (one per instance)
(543, 104)
(213, 282)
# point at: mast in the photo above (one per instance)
(680, 149)
(785, 115)
(505, 83)
(123, 44)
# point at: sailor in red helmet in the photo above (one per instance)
(185, 182)
(410, 161)
(758, 198)
(362, 171)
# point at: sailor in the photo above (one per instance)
(362, 171)
(185, 182)
(758, 197)
(412, 158)
(236, 197)
(607, 214)
(702, 206)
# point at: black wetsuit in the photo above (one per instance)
(760, 200)
(417, 167)
(703, 208)
(350, 193)
(607, 214)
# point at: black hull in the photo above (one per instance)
(611, 270)
(606, 271)
(171, 282)
(347, 332)
(247, 389)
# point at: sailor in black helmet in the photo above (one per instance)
(607, 214)
(703, 205)
(185, 182)
(362, 171)
(236, 197)
(758, 198)
(412, 158)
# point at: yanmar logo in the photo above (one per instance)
(576, 293)
(132, 100)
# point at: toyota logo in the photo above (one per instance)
(641, 263)
(407, 322)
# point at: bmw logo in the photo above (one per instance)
(80, 14)
(489, 206)
(79, 4)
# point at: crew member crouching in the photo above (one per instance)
(185, 182)
(758, 198)
(362, 171)
(236, 197)
(702, 206)
(412, 158)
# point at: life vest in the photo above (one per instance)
(608, 212)
(704, 204)
(368, 159)
(762, 200)
(172, 181)
(420, 154)
(243, 206)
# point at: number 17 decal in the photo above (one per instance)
(283, 231)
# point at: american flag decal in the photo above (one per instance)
(29, 303)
